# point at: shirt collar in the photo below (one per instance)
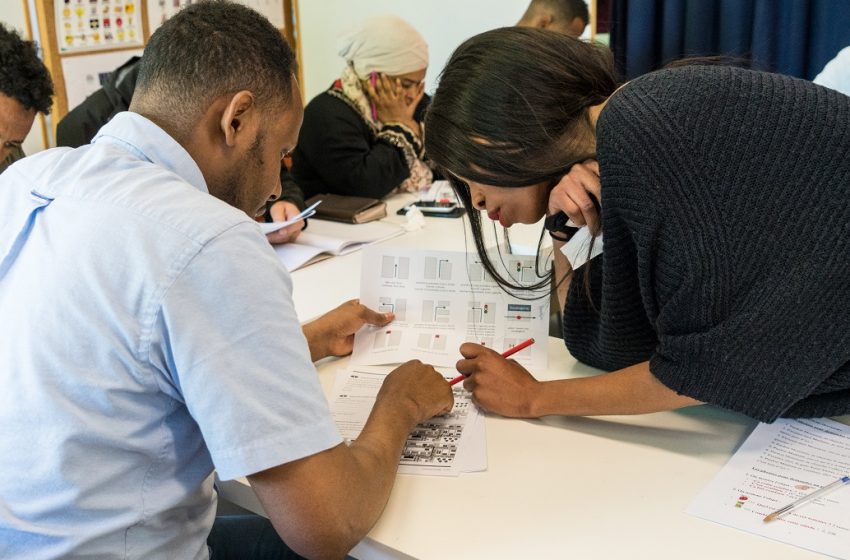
(148, 141)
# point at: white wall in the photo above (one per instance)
(445, 24)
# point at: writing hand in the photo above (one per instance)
(497, 384)
(281, 211)
(420, 388)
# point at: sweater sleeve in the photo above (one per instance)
(343, 152)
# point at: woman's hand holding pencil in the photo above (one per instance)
(497, 384)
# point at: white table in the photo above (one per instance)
(583, 488)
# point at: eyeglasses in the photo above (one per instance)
(409, 84)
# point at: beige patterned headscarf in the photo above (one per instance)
(384, 44)
(387, 45)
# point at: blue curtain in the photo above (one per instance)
(795, 37)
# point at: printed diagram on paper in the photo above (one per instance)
(441, 300)
(446, 445)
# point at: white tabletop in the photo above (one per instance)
(584, 488)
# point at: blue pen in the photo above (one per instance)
(843, 481)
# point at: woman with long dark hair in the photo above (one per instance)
(725, 208)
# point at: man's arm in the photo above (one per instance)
(323, 505)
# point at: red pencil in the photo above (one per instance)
(506, 354)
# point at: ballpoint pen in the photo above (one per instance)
(505, 354)
(843, 481)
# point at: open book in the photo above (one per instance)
(323, 239)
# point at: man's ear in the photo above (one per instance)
(239, 116)
(542, 21)
(577, 26)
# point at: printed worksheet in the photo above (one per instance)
(778, 464)
(446, 445)
(442, 299)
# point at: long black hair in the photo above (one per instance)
(511, 111)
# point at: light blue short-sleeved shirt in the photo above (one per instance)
(147, 336)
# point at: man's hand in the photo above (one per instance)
(332, 334)
(419, 388)
(572, 195)
(324, 504)
(281, 211)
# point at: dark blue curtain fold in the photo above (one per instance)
(795, 37)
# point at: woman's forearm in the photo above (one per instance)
(632, 390)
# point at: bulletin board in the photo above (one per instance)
(82, 41)
(97, 25)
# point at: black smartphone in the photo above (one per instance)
(434, 206)
(557, 223)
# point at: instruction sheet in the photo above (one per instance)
(778, 464)
(442, 299)
(445, 445)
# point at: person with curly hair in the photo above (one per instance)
(25, 89)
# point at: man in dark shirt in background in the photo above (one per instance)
(79, 126)
(564, 16)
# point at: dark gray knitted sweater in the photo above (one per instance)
(726, 214)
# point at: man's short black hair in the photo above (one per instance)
(23, 75)
(210, 49)
(567, 9)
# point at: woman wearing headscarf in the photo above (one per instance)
(363, 136)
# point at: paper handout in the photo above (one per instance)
(445, 445)
(775, 466)
(442, 299)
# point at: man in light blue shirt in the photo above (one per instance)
(148, 333)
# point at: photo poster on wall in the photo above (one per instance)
(85, 74)
(160, 10)
(91, 25)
